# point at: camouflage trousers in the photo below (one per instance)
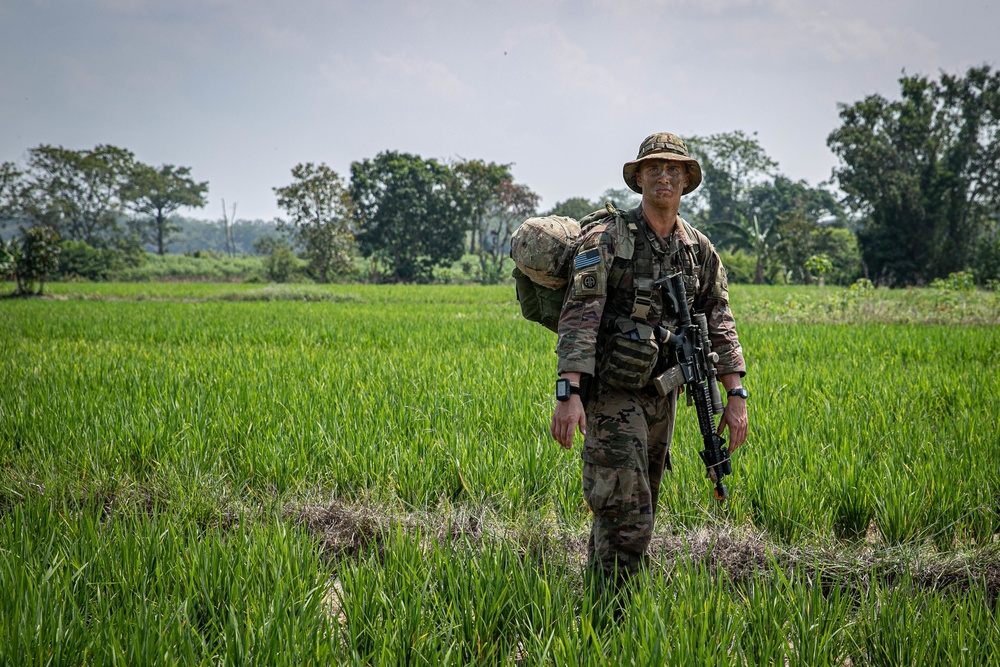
(625, 452)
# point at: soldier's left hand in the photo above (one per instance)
(735, 417)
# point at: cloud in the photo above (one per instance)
(429, 75)
(834, 32)
(798, 28)
(598, 74)
(385, 76)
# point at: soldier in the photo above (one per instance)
(605, 338)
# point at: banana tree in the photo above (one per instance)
(749, 235)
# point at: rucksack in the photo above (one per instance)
(543, 250)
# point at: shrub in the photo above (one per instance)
(280, 265)
(32, 258)
(80, 260)
(740, 266)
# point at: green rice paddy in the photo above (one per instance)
(237, 474)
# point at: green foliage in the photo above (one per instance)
(744, 203)
(79, 260)
(319, 209)
(481, 183)
(819, 265)
(799, 238)
(154, 194)
(739, 264)
(923, 173)
(960, 281)
(986, 259)
(216, 480)
(209, 235)
(575, 207)
(7, 251)
(751, 236)
(732, 163)
(511, 205)
(207, 266)
(79, 194)
(268, 243)
(32, 258)
(622, 198)
(410, 214)
(11, 191)
(280, 266)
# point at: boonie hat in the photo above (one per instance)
(663, 146)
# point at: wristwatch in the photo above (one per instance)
(564, 389)
(738, 391)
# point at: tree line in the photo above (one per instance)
(918, 178)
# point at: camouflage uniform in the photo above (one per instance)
(627, 445)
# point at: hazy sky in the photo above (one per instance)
(242, 90)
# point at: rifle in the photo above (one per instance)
(694, 367)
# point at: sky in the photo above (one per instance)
(240, 91)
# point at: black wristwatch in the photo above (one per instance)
(739, 391)
(564, 389)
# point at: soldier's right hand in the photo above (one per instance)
(566, 419)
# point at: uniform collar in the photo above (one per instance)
(679, 235)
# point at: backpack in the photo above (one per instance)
(543, 250)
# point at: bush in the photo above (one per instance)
(31, 259)
(740, 266)
(281, 265)
(189, 268)
(80, 260)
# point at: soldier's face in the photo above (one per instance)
(662, 181)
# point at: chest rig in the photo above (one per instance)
(635, 248)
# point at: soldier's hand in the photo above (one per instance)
(566, 419)
(735, 417)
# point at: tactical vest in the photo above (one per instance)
(635, 248)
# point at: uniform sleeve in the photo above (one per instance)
(714, 301)
(583, 307)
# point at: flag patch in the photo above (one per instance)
(585, 259)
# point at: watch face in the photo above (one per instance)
(741, 392)
(562, 389)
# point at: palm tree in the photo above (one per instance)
(750, 236)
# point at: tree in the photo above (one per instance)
(318, 206)
(410, 213)
(751, 236)
(732, 163)
(800, 238)
(512, 203)
(481, 182)
(31, 258)
(156, 194)
(228, 222)
(623, 198)
(798, 218)
(923, 173)
(575, 207)
(79, 194)
(11, 187)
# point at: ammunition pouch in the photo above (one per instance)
(630, 355)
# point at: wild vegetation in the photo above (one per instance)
(916, 199)
(363, 475)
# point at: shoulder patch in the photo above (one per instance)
(587, 258)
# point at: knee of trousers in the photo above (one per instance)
(620, 501)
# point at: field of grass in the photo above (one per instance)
(246, 474)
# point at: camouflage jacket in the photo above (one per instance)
(590, 300)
